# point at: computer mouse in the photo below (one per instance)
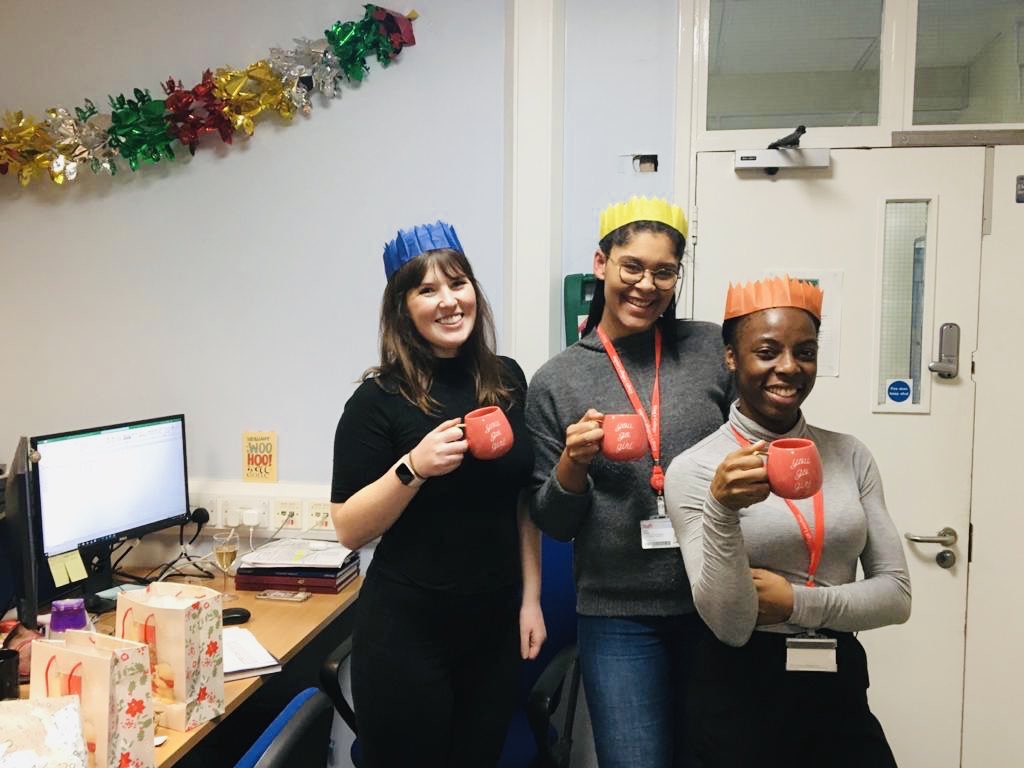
(236, 615)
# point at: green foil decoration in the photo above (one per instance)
(354, 42)
(139, 130)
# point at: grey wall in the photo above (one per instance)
(620, 83)
(241, 287)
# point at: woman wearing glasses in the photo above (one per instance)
(636, 620)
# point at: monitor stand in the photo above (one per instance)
(99, 578)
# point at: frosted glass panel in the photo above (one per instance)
(970, 62)
(903, 295)
(781, 63)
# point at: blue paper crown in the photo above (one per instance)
(410, 243)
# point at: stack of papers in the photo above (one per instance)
(245, 656)
(302, 553)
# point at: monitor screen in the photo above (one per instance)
(100, 484)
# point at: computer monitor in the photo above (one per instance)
(19, 535)
(93, 487)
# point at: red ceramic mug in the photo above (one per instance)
(794, 468)
(624, 437)
(488, 432)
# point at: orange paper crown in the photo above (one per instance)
(772, 292)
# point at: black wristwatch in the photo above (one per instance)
(404, 472)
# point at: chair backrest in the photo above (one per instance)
(300, 735)
(558, 601)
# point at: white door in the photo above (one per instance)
(994, 677)
(901, 229)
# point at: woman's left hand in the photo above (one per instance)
(532, 632)
(774, 597)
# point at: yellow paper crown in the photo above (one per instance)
(641, 209)
(772, 292)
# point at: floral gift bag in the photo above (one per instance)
(182, 626)
(111, 678)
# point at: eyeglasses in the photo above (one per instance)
(632, 272)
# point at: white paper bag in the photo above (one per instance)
(182, 626)
(110, 676)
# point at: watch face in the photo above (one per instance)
(404, 474)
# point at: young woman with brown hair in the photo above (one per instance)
(451, 601)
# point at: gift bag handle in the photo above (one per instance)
(74, 680)
(145, 629)
(46, 674)
(124, 619)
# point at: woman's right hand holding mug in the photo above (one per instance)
(583, 439)
(742, 479)
(440, 451)
(582, 443)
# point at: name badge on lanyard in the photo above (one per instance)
(655, 532)
(811, 653)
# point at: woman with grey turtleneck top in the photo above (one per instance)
(747, 560)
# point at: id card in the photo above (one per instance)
(811, 654)
(657, 533)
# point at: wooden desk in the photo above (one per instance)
(299, 634)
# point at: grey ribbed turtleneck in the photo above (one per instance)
(720, 546)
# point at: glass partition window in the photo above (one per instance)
(970, 62)
(782, 63)
(901, 353)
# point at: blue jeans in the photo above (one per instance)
(636, 672)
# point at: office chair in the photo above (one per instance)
(533, 739)
(300, 735)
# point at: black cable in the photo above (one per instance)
(121, 557)
(200, 516)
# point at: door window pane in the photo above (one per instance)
(903, 297)
(970, 62)
(782, 63)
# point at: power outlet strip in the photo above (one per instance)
(301, 507)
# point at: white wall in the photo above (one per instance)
(241, 287)
(620, 85)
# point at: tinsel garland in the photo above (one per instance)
(143, 129)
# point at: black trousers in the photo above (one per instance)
(434, 674)
(746, 710)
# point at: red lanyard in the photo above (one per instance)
(652, 424)
(815, 542)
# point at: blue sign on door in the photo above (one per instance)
(898, 391)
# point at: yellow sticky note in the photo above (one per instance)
(76, 568)
(66, 568)
(58, 570)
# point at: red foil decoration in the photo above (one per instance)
(192, 113)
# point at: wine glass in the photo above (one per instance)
(225, 550)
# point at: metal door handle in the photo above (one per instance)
(946, 537)
(948, 364)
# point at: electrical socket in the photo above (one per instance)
(212, 505)
(317, 516)
(237, 512)
(286, 515)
